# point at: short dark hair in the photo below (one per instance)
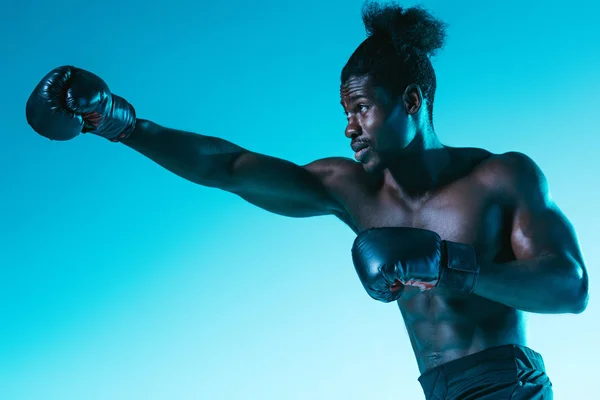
(398, 48)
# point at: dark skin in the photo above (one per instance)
(529, 254)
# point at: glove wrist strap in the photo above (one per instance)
(117, 125)
(460, 268)
(124, 114)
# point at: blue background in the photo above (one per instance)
(119, 280)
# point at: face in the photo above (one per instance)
(378, 124)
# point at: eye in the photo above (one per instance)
(362, 108)
(358, 109)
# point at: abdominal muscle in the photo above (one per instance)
(444, 328)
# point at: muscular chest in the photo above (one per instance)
(461, 213)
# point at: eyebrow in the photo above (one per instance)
(354, 98)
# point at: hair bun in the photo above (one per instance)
(410, 30)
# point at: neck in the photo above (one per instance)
(421, 167)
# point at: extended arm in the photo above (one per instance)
(271, 183)
(70, 100)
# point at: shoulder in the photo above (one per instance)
(332, 169)
(338, 163)
(515, 174)
(345, 179)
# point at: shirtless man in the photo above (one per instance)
(464, 240)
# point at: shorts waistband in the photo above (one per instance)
(505, 354)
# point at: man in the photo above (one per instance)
(463, 240)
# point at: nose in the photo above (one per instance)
(353, 129)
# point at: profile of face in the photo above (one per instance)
(379, 124)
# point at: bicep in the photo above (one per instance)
(543, 230)
(539, 227)
(283, 187)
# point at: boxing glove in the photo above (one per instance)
(69, 101)
(387, 259)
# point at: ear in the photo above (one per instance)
(412, 99)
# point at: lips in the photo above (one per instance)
(358, 146)
(360, 149)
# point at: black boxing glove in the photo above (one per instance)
(387, 259)
(69, 101)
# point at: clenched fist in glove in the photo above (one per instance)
(388, 259)
(70, 100)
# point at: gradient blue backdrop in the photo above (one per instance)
(121, 281)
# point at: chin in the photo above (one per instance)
(372, 166)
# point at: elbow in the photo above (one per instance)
(580, 306)
(580, 292)
(581, 299)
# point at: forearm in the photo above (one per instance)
(201, 159)
(548, 285)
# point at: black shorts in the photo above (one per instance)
(503, 372)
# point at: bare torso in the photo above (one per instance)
(441, 326)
